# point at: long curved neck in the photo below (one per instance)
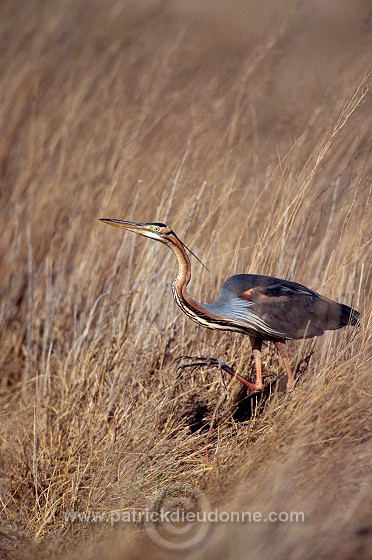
(184, 269)
(195, 310)
(198, 312)
(192, 308)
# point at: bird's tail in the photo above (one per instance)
(339, 315)
(348, 316)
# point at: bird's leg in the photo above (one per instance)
(282, 349)
(213, 362)
(256, 349)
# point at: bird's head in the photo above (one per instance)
(160, 232)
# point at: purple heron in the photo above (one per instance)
(263, 307)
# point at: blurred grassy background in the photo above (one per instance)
(246, 127)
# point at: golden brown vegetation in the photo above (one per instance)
(246, 127)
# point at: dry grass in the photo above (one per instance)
(247, 129)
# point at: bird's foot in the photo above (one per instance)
(202, 361)
(199, 361)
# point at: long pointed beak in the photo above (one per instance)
(130, 226)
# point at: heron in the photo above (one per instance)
(265, 308)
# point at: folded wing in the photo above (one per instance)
(281, 309)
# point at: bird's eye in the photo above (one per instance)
(156, 228)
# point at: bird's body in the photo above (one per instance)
(263, 307)
(274, 309)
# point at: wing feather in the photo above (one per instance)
(276, 308)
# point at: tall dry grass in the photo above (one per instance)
(247, 129)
